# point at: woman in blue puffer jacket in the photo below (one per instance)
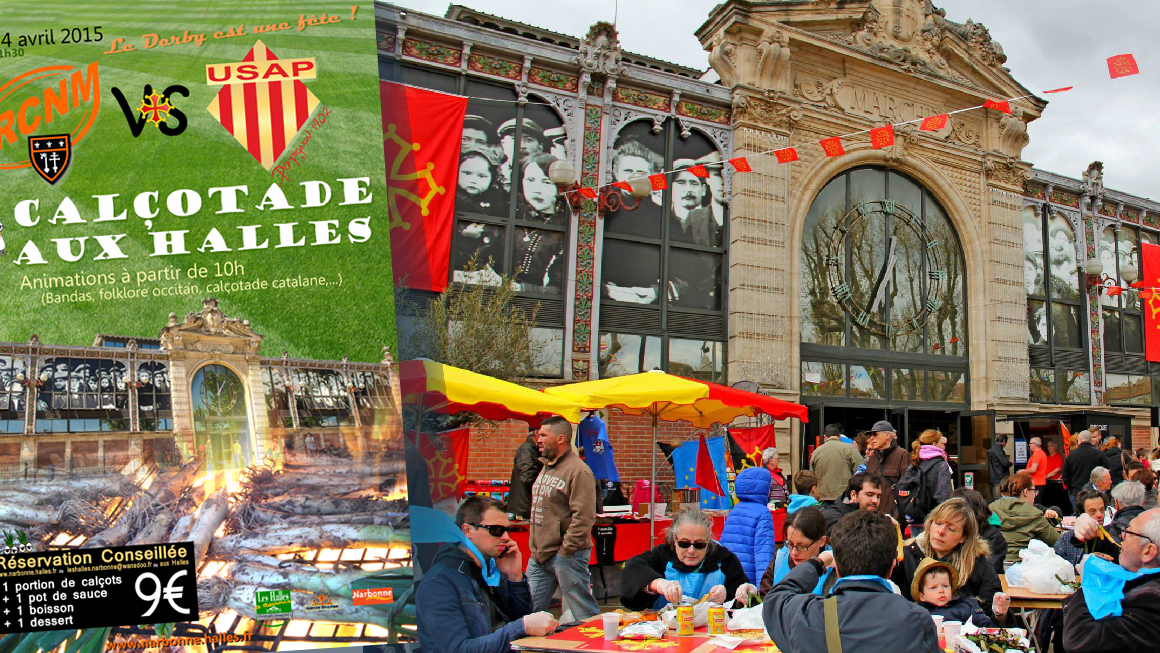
(749, 527)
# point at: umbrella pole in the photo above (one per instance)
(652, 489)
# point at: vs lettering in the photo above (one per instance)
(155, 109)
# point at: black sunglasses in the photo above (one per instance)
(495, 530)
(684, 544)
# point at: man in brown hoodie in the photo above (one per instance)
(563, 512)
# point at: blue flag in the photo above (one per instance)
(598, 449)
(685, 469)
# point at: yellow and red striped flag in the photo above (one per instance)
(263, 111)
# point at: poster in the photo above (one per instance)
(197, 327)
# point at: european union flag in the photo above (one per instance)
(685, 468)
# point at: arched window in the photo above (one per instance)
(662, 279)
(1057, 348)
(1127, 376)
(221, 428)
(882, 270)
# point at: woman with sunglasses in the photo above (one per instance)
(689, 564)
(1020, 520)
(805, 538)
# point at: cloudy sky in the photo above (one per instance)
(1049, 43)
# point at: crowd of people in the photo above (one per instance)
(873, 546)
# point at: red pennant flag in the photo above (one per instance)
(1147, 294)
(623, 185)
(658, 182)
(590, 193)
(1066, 437)
(1138, 284)
(706, 476)
(740, 164)
(699, 171)
(832, 146)
(1112, 291)
(998, 105)
(934, 123)
(1122, 65)
(1063, 89)
(1150, 272)
(882, 137)
(786, 154)
(421, 243)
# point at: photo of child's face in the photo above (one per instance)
(474, 175)
(936, 588)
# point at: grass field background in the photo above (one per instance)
(353, 320)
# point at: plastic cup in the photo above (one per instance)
(951, 629)
(611, 625)
(938, 624)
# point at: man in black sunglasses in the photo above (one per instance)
(475, 596)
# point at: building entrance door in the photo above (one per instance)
(221, 429)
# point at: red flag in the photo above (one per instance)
(1150, 256)
(1122, 65)
(832, 146)
(699, 171)
(934, 123)
(1063, 89)
(998, 105)
(658, 182)
(1112, 291)
(786, 154)
(447, 469)
(590, 193)
(1066, 437)
(740, 164)
(882, 137)
(753, 441)
(706, 476)
(623, 185)
(422, 134)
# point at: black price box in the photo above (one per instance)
(95, 588)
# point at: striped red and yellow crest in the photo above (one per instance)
(263, 101)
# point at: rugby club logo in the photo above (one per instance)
(263, 101)
(62, 99)
(50, 155)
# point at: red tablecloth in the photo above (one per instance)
(632, 537)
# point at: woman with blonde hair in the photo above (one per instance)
(951, 535)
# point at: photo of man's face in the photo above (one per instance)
(161, 379)
(60, 379)
(629, 167)
(474, 136)
(688, 191)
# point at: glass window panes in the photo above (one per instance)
(628, 353)
(1139, 390)
(867, 382)
(631, 272)
(1075, 387)
(1113, 337)
(823, 321)
(1065, 325)
(908, 384)
(1061, 254)
(1042, 386)
(1118, 389)
(549, 350)
(12, 395)
(698, 359)
(825, 379)
(1037, 322)
(1033, 268)
(1107, 254)
(948, 386)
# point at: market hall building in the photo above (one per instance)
(941, 281)
(200, 389)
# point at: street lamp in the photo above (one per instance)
(563, 174)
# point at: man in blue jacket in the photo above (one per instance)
(475, 598)
(865, 612)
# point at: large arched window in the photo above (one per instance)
(1127, 372)
(1057, 348)
(882, 271)
(662, 281)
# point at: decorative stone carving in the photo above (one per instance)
(963, 134)
(1013, 132)
(820, 92)
(904, 136)
(979, 41)
(1006, 171)
(1093, 179)
(905, 33)
(387, 358)
(34, 341)
(773, 62)
(210, 331)
(600, 50)
(723, 59)
(766, 113)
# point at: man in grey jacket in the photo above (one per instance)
(998, 464)
(870, 616)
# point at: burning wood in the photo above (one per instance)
(213, 512)
(288, 539)
(165, 490)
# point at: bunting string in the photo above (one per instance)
(1121, 65)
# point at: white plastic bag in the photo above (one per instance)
(746, 619)
(1039, 570)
